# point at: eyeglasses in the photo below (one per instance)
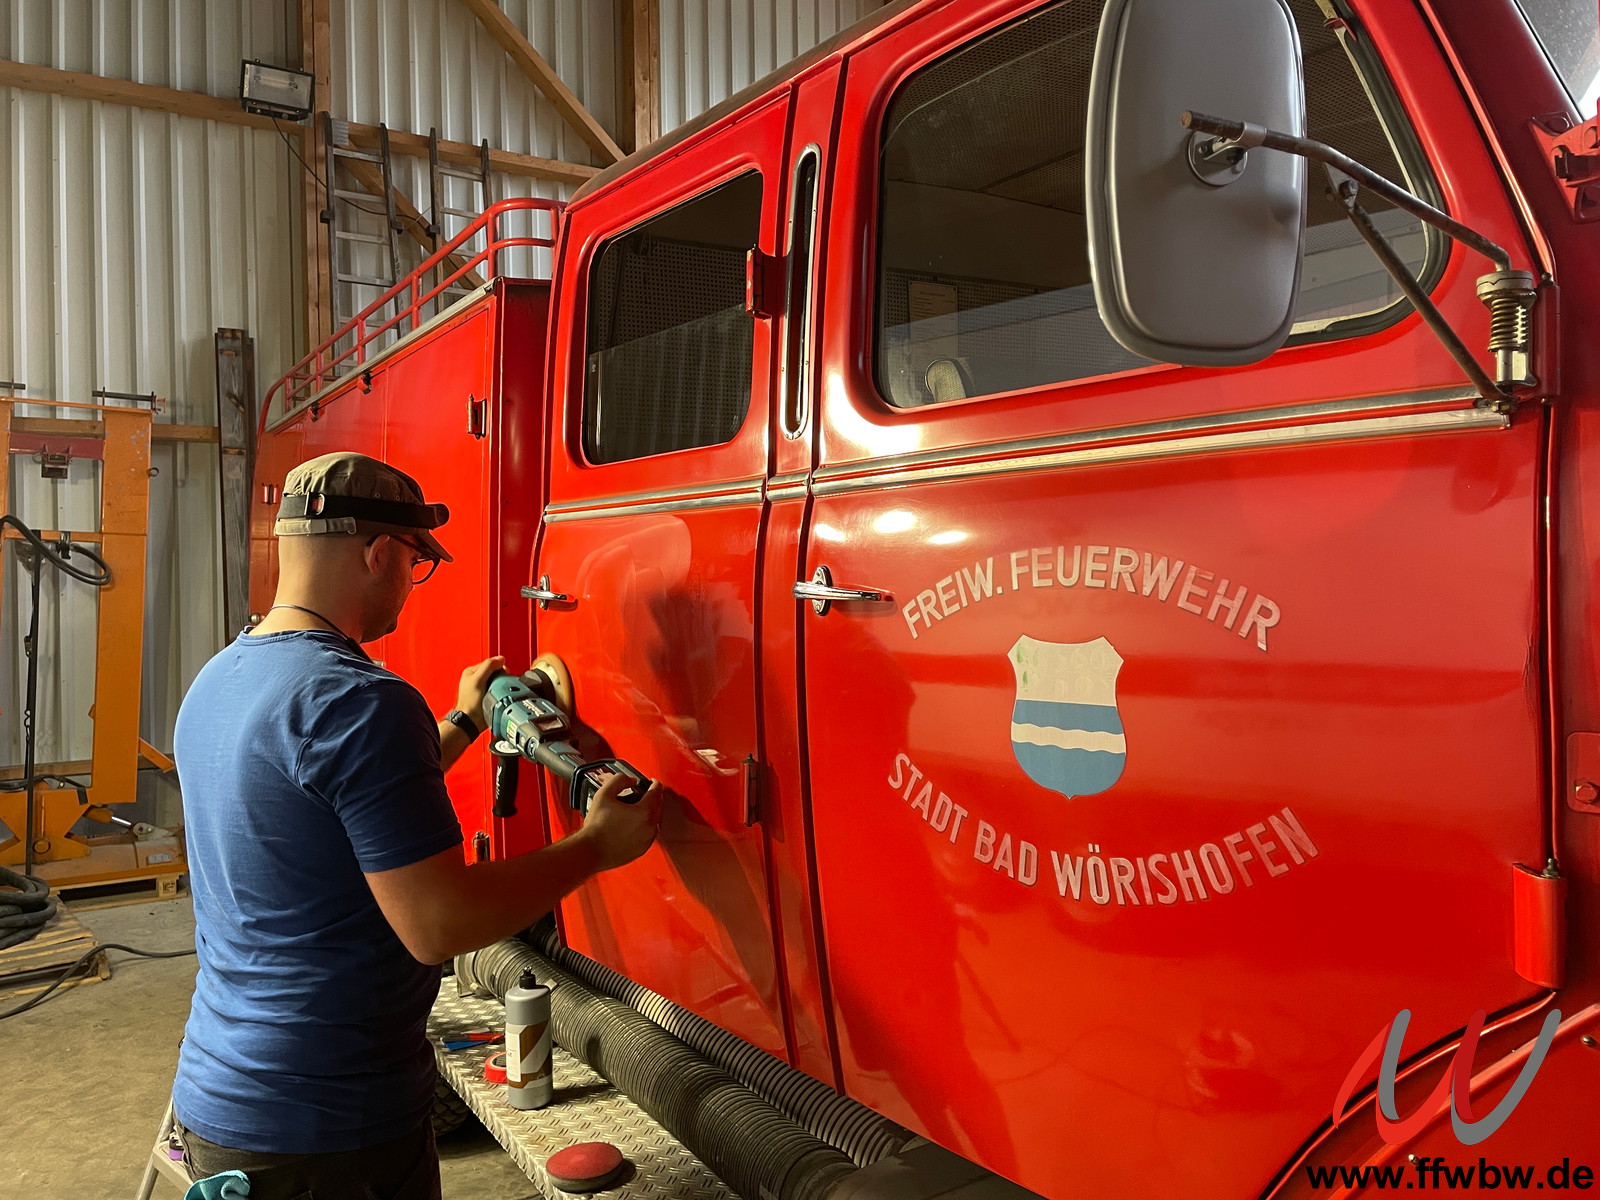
(422, 567)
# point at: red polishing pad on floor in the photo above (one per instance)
(586, 1167)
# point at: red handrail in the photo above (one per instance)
(323, 365)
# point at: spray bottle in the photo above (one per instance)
(529, 1072)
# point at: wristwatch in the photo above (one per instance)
(464, 723)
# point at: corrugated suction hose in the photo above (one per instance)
(852, 1127)
(756, 1149)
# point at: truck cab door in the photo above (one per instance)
(659, 458)
(1171, 728)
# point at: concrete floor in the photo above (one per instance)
(85, 1076)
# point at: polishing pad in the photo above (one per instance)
(586, 1167)
(560, 681)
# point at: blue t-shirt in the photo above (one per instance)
(304, 764)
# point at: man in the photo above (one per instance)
(326, 861)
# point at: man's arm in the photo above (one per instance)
(453, 742)
(440, 907)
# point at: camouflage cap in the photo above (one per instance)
(346, 492)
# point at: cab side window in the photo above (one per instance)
(669, 340)
(983, 267)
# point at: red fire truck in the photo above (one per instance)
(1111, 601)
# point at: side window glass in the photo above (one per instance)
(669, 344)
(983, 269)
(1569, 30)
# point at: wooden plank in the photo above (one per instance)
(415, 145)
(55, 427)
(92, 536)
(28, 957)
(183, 433)
(416, 225)
(46, 944)
(532, 64)
(98, 970)
(640, 43)
(62, 940)
(30, 78)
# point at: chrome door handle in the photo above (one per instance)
(544, 595)
(821, 592)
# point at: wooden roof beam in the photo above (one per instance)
(30, 78)
(640, 24)
(50, 81)
(515, 43)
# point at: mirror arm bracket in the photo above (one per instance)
(1345, 189)
(1253, 135)
(1508, 293)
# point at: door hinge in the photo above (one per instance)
(1573, 152)
(1539, 924)
(752, 791)
(763, 283)
(477, 416)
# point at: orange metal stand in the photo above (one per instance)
(120, 439)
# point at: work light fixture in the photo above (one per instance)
(275, 91)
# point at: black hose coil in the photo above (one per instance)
(22, 915)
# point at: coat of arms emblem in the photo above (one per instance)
(1065, 728)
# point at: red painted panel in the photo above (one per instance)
(445, 625)
(659, 642)
(661, 639)
(786, 814)
(1384, 719)
(517, 462)
(411, 411)
(1009, 974)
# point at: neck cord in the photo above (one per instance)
(311, 612)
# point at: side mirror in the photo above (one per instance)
(1195, 258)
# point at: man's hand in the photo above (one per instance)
(475, 686)
(621, 832)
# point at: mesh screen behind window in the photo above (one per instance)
(669, 351)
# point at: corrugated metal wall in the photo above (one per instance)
(712, 48)
(127, 237)
(421, 64)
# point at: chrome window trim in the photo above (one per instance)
(742, 491)
(1357, 419)
(1351, 420)
(805, 384)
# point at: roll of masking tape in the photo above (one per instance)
(494, 1068)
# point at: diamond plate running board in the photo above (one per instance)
(586, 1109)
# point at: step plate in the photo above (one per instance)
(586, 1109)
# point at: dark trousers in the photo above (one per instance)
(406, 1168)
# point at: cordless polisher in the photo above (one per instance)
(523, 718)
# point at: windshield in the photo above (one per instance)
(1570, 32)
